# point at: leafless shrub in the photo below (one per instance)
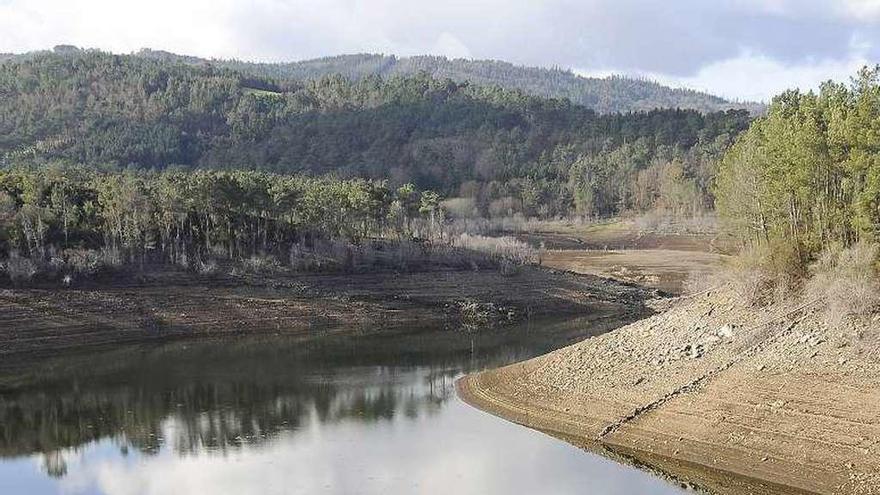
(19, 269)
(503, 207)
(462, 252)
(765, 273)
(322, 255)
(217, 250)
(83, 262)
(261, 264)
(208, 267)
(484, 226)
(845, 280)
(476, 314)
(506, 249)
(748, 276)
(111, 257)
(460, 208)
(667, 223)
(182, 260)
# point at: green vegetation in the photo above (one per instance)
(803, 184)
(606, 95)
(808, 173)
(502, 151)
(76, 221)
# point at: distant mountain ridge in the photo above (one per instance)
(614, 94)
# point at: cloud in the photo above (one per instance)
(759, 78)
(451, 47)
(863, 9)
(447, 454)
(686, 40)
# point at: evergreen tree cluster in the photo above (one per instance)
(614, 94)
(506, 150)
(806, 177)
(50, 214)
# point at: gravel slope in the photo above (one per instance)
(730, 399)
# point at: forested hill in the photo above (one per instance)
(503, 149)
(613, 94)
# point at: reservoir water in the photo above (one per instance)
(369, 413)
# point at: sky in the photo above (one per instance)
(741, 49)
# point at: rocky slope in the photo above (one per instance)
(727, 398)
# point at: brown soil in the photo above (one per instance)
(664, 269)
(621, 250)
(45, 321)
(623, 234)
(730, 399)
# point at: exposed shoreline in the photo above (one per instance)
(780, 404)
(37, 322)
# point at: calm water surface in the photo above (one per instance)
(334, 414)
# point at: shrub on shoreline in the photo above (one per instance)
(845, 280)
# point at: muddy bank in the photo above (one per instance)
(730, 400)
(623, 251)
(666, 270)
(36, 322)
(624, 234)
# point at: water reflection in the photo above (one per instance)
(334, 414)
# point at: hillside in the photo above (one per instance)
(507, 151)
(614, 94)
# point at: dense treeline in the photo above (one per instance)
(808, 173)
(614, 94)
(502, 151)
(802, 190)
(76, 216)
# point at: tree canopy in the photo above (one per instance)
(78, 216)
(807, 175)
(615, 94)
(510, 152)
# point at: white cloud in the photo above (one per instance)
(192, 27)
(863, 9)
(785, 42)
(446, 453)
(451, 47)
(758, 78)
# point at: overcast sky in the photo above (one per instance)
(747, 49)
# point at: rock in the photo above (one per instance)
(726, 331)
